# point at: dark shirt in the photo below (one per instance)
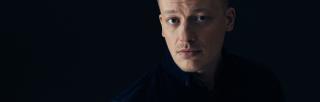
(236, 80)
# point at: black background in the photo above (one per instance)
(76, 50)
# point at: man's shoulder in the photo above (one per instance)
(253, 77)
(248, 68)
(245, 65)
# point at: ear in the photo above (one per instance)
(230, 18)
(160, 19)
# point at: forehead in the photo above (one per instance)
(189, 5)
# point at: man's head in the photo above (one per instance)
(194, 31)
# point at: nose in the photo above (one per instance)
(186, 33)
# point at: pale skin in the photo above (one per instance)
(194, 32)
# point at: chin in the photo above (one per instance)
(189, 69)
(188, 66)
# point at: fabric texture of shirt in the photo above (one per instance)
(236, 80)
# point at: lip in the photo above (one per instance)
(188, 50)
(188, 53)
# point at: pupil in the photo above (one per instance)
(200, 18)
(173, 20)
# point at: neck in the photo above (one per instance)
(207, 74)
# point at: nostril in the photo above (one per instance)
(190, 41)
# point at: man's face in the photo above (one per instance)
(194, 31)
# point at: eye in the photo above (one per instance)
(173, 21)
(201, 19)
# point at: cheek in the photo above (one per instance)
(170, 40)
(212, 34)
(170, 37)
(212, 39)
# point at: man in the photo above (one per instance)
(199, 70)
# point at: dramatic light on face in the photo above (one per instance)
(194, 31)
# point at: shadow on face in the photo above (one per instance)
(194, 31)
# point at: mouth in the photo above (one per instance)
(188, 53)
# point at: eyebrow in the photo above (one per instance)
(197, 10)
